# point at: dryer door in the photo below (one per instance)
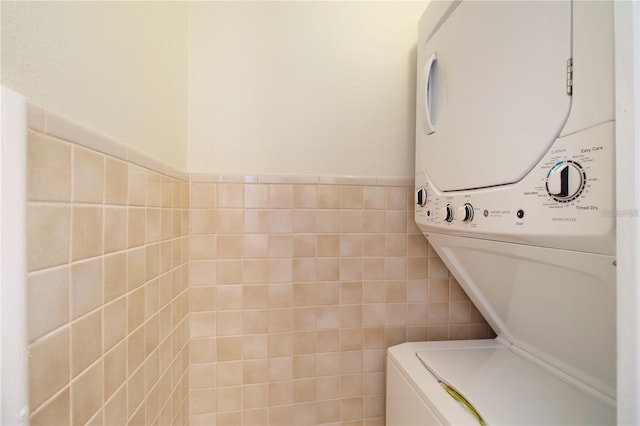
(492, 90)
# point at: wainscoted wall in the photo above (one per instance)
(107, 281)
(298, 285)
(258, 300)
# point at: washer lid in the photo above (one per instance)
(506, 389)
(492, 90)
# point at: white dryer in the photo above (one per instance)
(515, 191)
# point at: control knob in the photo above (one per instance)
(421, 197)
(565, 181)
(465, 213)
(448, 213)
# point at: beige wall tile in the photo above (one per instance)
(88, 176)
(86, 394)
(304, 196)
(304, 245)
(418, 246)
(329, 245)
(351, 292)
(395, 198)
(135, 308)
(48, 235)
(256, 196)
(373, 221)
(86, 286)
(136, 351)
(328, 340)
(86, 232)
(54, 412)
(136, 267)
(115, 410)
(154, 189)
(116, 180)
(49, 364)
(204, 221)
(229, 373)
(280, 221)
(230, 221)
(255, 396)
(203, 246)
(305, 413)
(229, 272)
(328, 221)
(115, 369)
(280, 344)
(115, 322)
(230, 195)
(86, 341)
(417, 290)
(304, 366)
(229, 247)
(115, 229)
(229, 348)
(280, 196)
(203, 195)
(136, 185)
(351, 221)
(229, 298)
(48, 168)
(202, 298)
(135, 396)
(136, 226)
(152, 261)
(329, 411)
(373, 197)
(115, 276)
(153, 225)
(396, 221)
(351, 197)
(48, 301)
(281, 415)
(328, 196)
(229, 399)
(202, 401)
(202, 350)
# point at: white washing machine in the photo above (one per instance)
(515, 191)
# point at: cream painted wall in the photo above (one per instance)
(119, 68)
(318, 88)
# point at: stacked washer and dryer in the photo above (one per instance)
(515, 192)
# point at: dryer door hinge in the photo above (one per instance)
(570, 76)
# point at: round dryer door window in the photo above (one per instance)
(492, 91)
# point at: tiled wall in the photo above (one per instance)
(229, 300)
(107, 286)
(298, 288)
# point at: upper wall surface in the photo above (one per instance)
(118, 67)
(296, 88)
(305, 88)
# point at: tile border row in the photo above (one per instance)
(302, 179)
(52, 124)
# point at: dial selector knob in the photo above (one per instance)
(448, 213)
(565, 181)
(465, 213)
(421, 197)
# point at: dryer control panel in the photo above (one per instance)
(566, 201)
